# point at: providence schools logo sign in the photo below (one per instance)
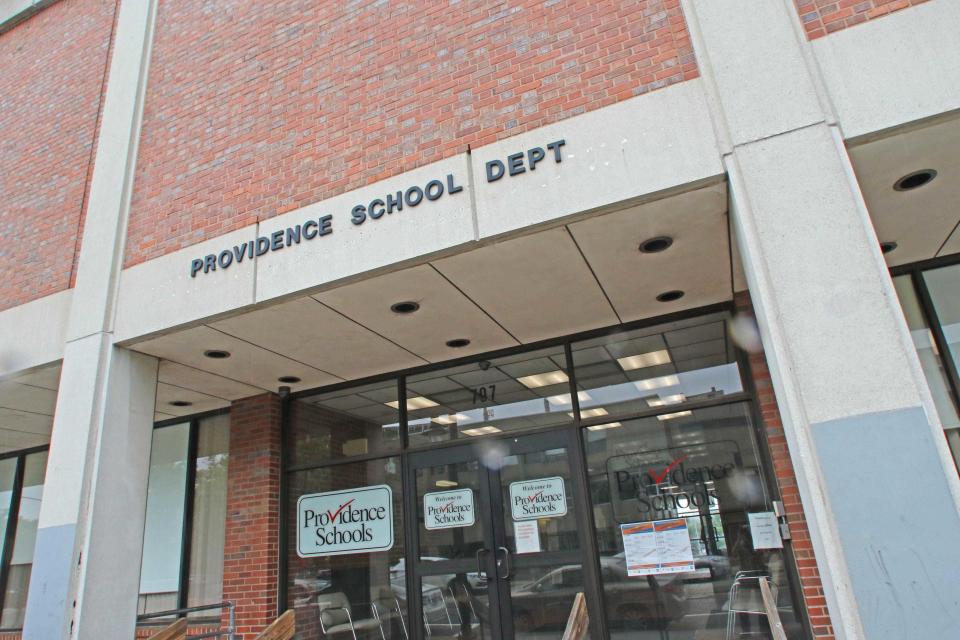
(341, 522)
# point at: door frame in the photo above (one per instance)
(494, 510)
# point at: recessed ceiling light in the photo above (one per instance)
(602, 427)
(418, 402)
(458, 343)
(656, 245)
(629, 363)
(180, 403)
(915, 180)
(564, 398)
(288, 379)
(671, 416)
(595, 412)
(453, 418)
(543, 379)
(670, 296)
(887, 247)
(656, 383)
(216, 354)
(447, 483)
(657, 401)
(407, 306)
(480, 431)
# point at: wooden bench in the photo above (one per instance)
(176, 631)
(282, 628)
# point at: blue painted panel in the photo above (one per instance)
(47, 611)
(898, 524)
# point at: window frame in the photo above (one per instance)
(186, 534)
(9, 536)
(915, 271)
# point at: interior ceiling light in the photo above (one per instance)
(288, 379)
(453, 418)
(216, 354)
(543, 379)
(887, 247)
(407, 306)
(480, 431)
(671, 416)
(447, 483)
(915, 180)
(458, 343)
(608, 425)
(652, 359)
(670, 296)
(564, 398)
(418, 402)
(180, 403)
(657, 401)
(596, 412)
(657, 383)
(656, 245)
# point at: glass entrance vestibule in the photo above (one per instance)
(629, 465)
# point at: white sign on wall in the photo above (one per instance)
(341, 522)
(448, 509)
(541, 498)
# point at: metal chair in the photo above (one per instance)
(392, 610)
(337, 619)
(745, 600)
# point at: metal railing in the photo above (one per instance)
(229, 632)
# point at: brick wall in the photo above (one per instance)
(821, 17)
(254, 109)
(51, 88)
(802, 546)
(251, 548)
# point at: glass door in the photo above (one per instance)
(498, 552)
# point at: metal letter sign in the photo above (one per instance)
(341, 522)
(535, 499)
(448, 509)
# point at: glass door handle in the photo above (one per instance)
(480, 553)
(506, 563)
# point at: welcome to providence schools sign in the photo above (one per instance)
(410, 197)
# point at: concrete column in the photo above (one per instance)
(86, 566)
(875, 477)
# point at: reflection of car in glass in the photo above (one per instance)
(710, 567)
(308, 588)
(649, 602)
(475, 582)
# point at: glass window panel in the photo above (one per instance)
(163, 532)
(18, 578)
(8, 473)
(510, 393)
(703, 469)
(322, 589)
(944, 287)
(634, 371)
(339, 424)
(209, 512)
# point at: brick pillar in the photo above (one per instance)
(806, 563)
(251, 550)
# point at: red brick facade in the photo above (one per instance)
(52, 87)
(254, 109)
(787, 483)
(251, 548)
(821, 17)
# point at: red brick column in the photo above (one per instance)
(251, 550)
(802, 546)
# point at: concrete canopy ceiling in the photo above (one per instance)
(27, 404)
(924, 221)
(582, 275)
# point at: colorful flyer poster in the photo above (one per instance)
(661, 546)
(527, 536)
(765, 530)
